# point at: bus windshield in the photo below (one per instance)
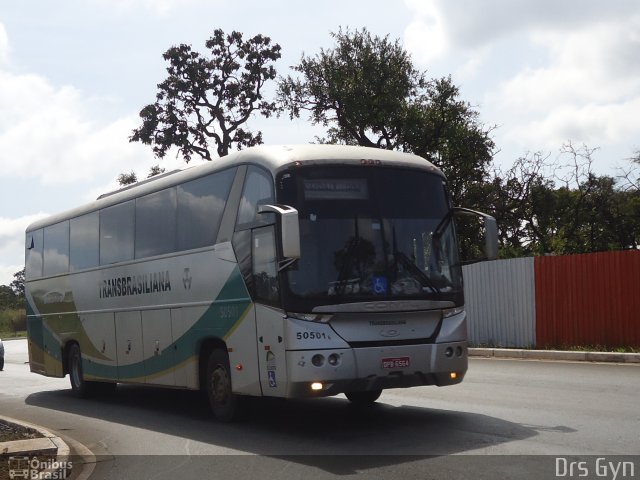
(371, 233)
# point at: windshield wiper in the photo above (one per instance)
(341, 283)
(410, 266)
(413, 268)
(444, 223)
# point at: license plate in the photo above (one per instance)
(396, 362)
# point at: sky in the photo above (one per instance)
(74, 75)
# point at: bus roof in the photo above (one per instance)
(273, 158)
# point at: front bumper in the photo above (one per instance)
(361, 369)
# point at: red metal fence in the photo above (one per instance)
(590, 299)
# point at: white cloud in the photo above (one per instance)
(160, 7)
(4, 45)
(589, 91)
(426, 36)
(595, 64)
(551, 71)
(6, 273)
(592, 124)
(15, 227)
(54, 134)
(54, 138)
(12, 244)
(470, 25)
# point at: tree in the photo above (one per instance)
(7, 297)
(367, 92)
(17, 285)
(209, 99)
(563, 206)
(446, 130)
(523, 204)
(12, 296)
(358, 89)
(125, 179)
(629, 176)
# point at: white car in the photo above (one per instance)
(1, 355)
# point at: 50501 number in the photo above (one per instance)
(312, 336)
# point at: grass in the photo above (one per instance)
(601, 348)
(569, 348)
(11, 431)
(13, 323)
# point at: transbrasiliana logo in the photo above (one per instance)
(35, 468)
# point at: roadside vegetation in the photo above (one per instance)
(13, 323)
(567, 348)
(13, 318)
(11, 431)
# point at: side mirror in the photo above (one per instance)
(491, 237)
(491, 231)
(289, 228)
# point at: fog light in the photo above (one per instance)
(317, 360)
(316, 386)
(453, 375)
(459, 351)
(448, 352)
(334, 359)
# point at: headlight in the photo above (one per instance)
(450, 312)
(310, 317)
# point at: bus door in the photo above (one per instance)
(157, 348)
(269, 320)
(129, 346)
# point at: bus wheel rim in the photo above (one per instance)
(221, 385)
(76, 370)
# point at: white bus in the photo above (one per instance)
(288, 271)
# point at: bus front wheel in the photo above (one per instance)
(221, 398)
(363, 398)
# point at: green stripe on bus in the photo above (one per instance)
(222, 316)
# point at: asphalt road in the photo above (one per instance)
(508, 419)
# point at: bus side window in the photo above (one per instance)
(117, 233)
(33, 256)
(201, 203)
(156, 223)
(84, 242)
(56, 249)
(258, 190)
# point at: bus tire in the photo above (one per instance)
(364, 398)
(76, 377)
(81, 387)
(222, 400)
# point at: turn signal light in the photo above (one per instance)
(453, 375)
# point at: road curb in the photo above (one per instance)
(517, 353)
(48, 444)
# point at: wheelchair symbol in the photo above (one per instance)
(379, 285)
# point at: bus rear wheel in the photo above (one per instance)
(81, 387)
(78, 383)
(223, 402)
(363, 398)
